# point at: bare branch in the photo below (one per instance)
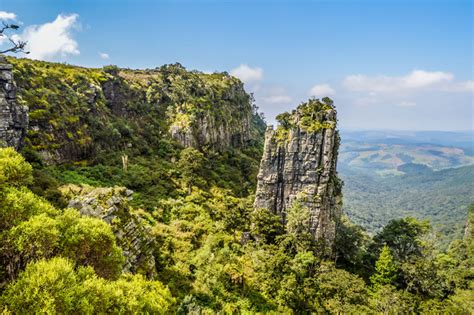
(18, 46)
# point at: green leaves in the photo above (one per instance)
(55, 286)
(19, 204)
(90, 242)
(404, 237)
(385, 270)
(14, 170)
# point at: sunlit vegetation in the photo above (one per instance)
(207, 263)
(213, 252)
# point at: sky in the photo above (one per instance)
(403, 65)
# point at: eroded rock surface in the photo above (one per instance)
(13, 117)
(111, 205)
(299, 163)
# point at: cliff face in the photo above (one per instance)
(77, 113)
(110, 205)
(299, 164)
(13, 117)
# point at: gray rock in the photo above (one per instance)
(111, 205)
(13, 117)
(229, 129)
(302, 167)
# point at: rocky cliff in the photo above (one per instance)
(78, 113)
(111, 205)
(299, 164)
(13, 117)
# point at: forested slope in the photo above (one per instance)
(183, 236)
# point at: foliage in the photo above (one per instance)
(404, 237)
(350, 246)
(214, 252)
(190, 163)
(55, 286)
(310, 116)
(265, 226)
(385, 270)
(90, 241)
(14, 171)
(441, 197)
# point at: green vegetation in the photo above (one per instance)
(205, 261)
(57, 261)
(78, 114)
(440, 196)
(310, 116)
(193, 201)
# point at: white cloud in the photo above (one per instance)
(322, 90)
(414, 80)
(247, 74)
(53, 39)
(406, 104)
(7, 15)
(466, 86)
(104, 55)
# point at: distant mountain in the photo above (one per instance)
(386, 152)
(463, 139)
(394, 174)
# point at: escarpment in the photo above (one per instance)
(299, 165)
(77, 113)
(13, 117)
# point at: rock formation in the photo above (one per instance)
(299, 164)
(110, 205)
(81, 113)
(13, 117)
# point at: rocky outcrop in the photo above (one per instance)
(299, 164)
(111, 205)
(217, 128)
(79, 114)
(13, 117)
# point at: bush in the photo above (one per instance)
(14, 170)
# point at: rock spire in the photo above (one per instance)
(299, 164)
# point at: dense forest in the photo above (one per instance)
(134, 191)
(440, 196)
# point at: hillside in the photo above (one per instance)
(84, 122)
(440, 196)
(134, 193)
(385, 153)
(394, 174)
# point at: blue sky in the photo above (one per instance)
(387, 64)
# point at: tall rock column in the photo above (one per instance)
(299, 164)
(13, 117)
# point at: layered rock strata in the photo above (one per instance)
(299, 164)
(13, 117)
